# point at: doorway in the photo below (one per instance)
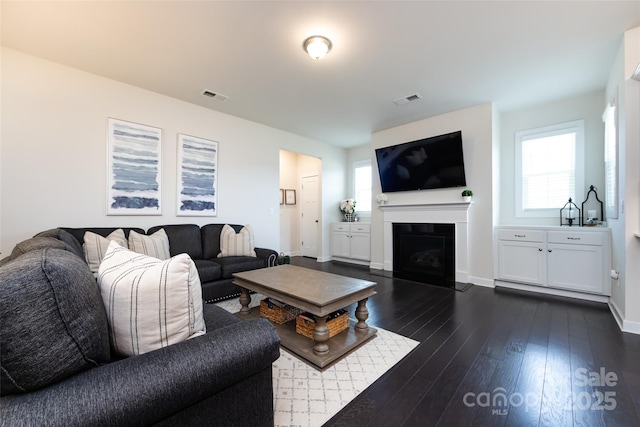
(310, 216)
(300, 223)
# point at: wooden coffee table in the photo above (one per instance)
(318, 293)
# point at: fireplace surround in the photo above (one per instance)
(439, 213)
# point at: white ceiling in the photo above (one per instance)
(455, 54)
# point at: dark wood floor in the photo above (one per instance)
(483, 347)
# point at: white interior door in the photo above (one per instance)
(310, 221)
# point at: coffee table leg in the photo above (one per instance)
(362, 314)
(321, 336)
(245, 300)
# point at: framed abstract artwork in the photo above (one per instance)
(134, 168)
(197, 176)
(290, 197)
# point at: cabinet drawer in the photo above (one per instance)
(361, 228)
(340, 226)
(521, 235)
(576, 237)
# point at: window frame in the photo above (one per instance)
(575, 126)
(355, 165)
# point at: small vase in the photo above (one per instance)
(349, 217)
(466, 199)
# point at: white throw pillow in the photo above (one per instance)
(150, 303)
(236, 244)
(95, 246)
(155, 245)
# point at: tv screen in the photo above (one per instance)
(435, 162)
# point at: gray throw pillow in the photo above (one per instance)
(53, 323)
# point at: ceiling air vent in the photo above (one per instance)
(217, 96)
(407, 99)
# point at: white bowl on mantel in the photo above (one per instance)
(466, 199)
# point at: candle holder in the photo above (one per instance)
(570, 213)
(592, 214)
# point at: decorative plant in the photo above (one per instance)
(348, 206)
(467, 193)
(381, 198)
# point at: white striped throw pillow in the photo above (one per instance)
(236, 244)
(155, 245)
(150, 303)
(95, 246)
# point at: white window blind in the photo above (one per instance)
(549, 168)
(362, 184)
(610, 161)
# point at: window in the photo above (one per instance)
(610, 161)
(362, 185)
(549, 169)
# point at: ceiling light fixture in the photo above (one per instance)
(317, 46)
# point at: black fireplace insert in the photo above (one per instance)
(425, 252)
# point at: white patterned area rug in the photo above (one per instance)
(307, 397)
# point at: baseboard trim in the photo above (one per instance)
(552, 291)
(480, 281)
(629, 326)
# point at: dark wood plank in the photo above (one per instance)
(484, 339)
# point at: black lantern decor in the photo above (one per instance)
(569, 214)
(591, 218)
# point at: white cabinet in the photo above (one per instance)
(351, 241)
(576, 260)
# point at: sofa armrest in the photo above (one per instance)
(145, 389)
(269, 255)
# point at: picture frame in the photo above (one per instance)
(281, 196)
(134, 168)
(197, 176)
(290, 197)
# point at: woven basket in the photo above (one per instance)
(278, 314)
(305, 327)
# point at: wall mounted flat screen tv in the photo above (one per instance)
(435, 162)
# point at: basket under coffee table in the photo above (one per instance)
(318, 293)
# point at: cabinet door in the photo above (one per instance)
(523, 262)
(576, 267)
(340, 244)
(361, 246)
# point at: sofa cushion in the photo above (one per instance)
(150, 303)
(211, 239)
(155, 245)
(66, 237)
(183, 239)
(236, 244)
(236, 264)
(52, 320)
(95, 246)
(78, 233)
(208, 270)
(38, 243)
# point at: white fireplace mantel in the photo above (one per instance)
(437, 213)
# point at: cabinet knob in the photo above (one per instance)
(550, 250)
(539, 249)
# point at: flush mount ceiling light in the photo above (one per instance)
(317, 46)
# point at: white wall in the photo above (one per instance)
(53, 158)
(476, 124)
(588, 107)
(625, 292)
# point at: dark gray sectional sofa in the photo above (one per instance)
(203, 246)
(57, 367)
